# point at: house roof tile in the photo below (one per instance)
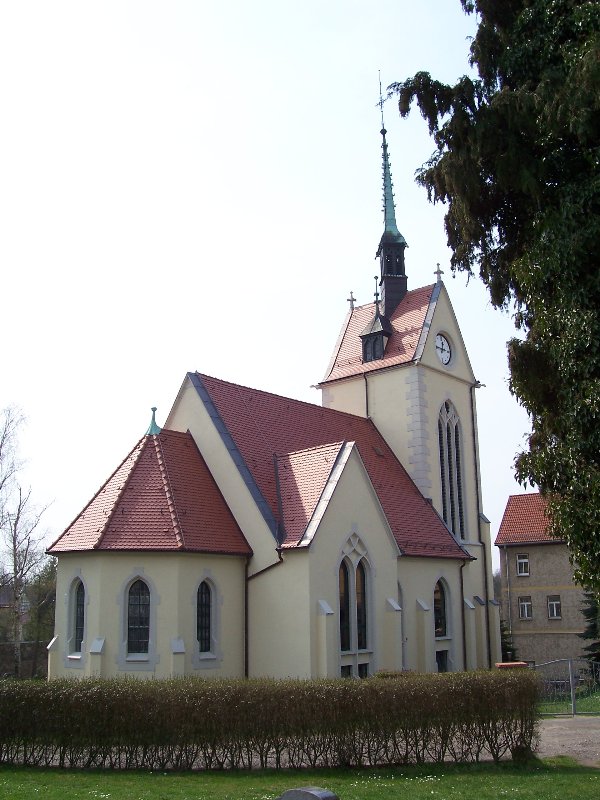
(161, 497)
(407, 322)
(262, 425)
(302, 477)
(524, 521)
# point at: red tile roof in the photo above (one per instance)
(407, 322)
(262, 425)
(524, 521)
(162, 497)
(303, 476)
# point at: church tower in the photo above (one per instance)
(405, 366)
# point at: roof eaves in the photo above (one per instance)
(341, 459)
(234, 452)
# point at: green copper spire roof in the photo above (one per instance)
(153, 430)
(389, 211)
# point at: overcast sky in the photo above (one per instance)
(197, 185)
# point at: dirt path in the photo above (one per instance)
(578, 737)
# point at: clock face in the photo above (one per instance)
(443, 349)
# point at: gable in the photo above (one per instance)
(441, 320)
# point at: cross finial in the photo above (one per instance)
(380, 103)
(376, 291)
(351, 300)
(439, 273)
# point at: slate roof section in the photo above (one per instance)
(162, 497)
(407, 321)
(524, 521)
(257, 426)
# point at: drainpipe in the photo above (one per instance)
(366, 395)
(462, 614)
(474, 386)
(246, 616)
(508, 599)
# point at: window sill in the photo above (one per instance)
(443, 638)
(207, 657)
(137, 657)
(74, 656)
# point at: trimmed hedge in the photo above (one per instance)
(192, 723)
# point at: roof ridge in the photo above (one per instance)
(120, 493)
(166, 478)
(324, 409)
(338, 443)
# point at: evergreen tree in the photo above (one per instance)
(591, 614)
(509, 651)
(518, 165)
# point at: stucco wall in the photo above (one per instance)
(540, 638)
(173, 579)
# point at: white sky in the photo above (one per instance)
(197, 185)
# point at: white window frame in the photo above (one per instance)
(554, 606)
(525, 607)
(522, 565)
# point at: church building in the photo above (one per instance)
(256, 535)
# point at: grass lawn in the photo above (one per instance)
(558, 778)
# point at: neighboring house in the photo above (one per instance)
(258, 535)
(541, 605)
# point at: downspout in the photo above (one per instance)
(366, 395)
(508, 598)
(249, 578)
(246, 616)
(462, 614)
(480, 540)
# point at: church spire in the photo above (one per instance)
(392, 244)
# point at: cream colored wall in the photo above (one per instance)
(189, 413)
(173, 579)
(348, 395)
(354, 509)
(279, 620)
(417, 579)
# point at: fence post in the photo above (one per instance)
(572, 685)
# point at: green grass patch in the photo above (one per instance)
(587, 703)
(551, 780)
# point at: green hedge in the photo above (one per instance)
(230, 724)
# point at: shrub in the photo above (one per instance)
(191, 723)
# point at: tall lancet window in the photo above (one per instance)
(354, 578)
(450, 446)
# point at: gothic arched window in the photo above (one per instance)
(354, 591)
(450, 448)
(79, 616)
(203, 617)
(138, 617)
(439, 610)
(344, 581)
